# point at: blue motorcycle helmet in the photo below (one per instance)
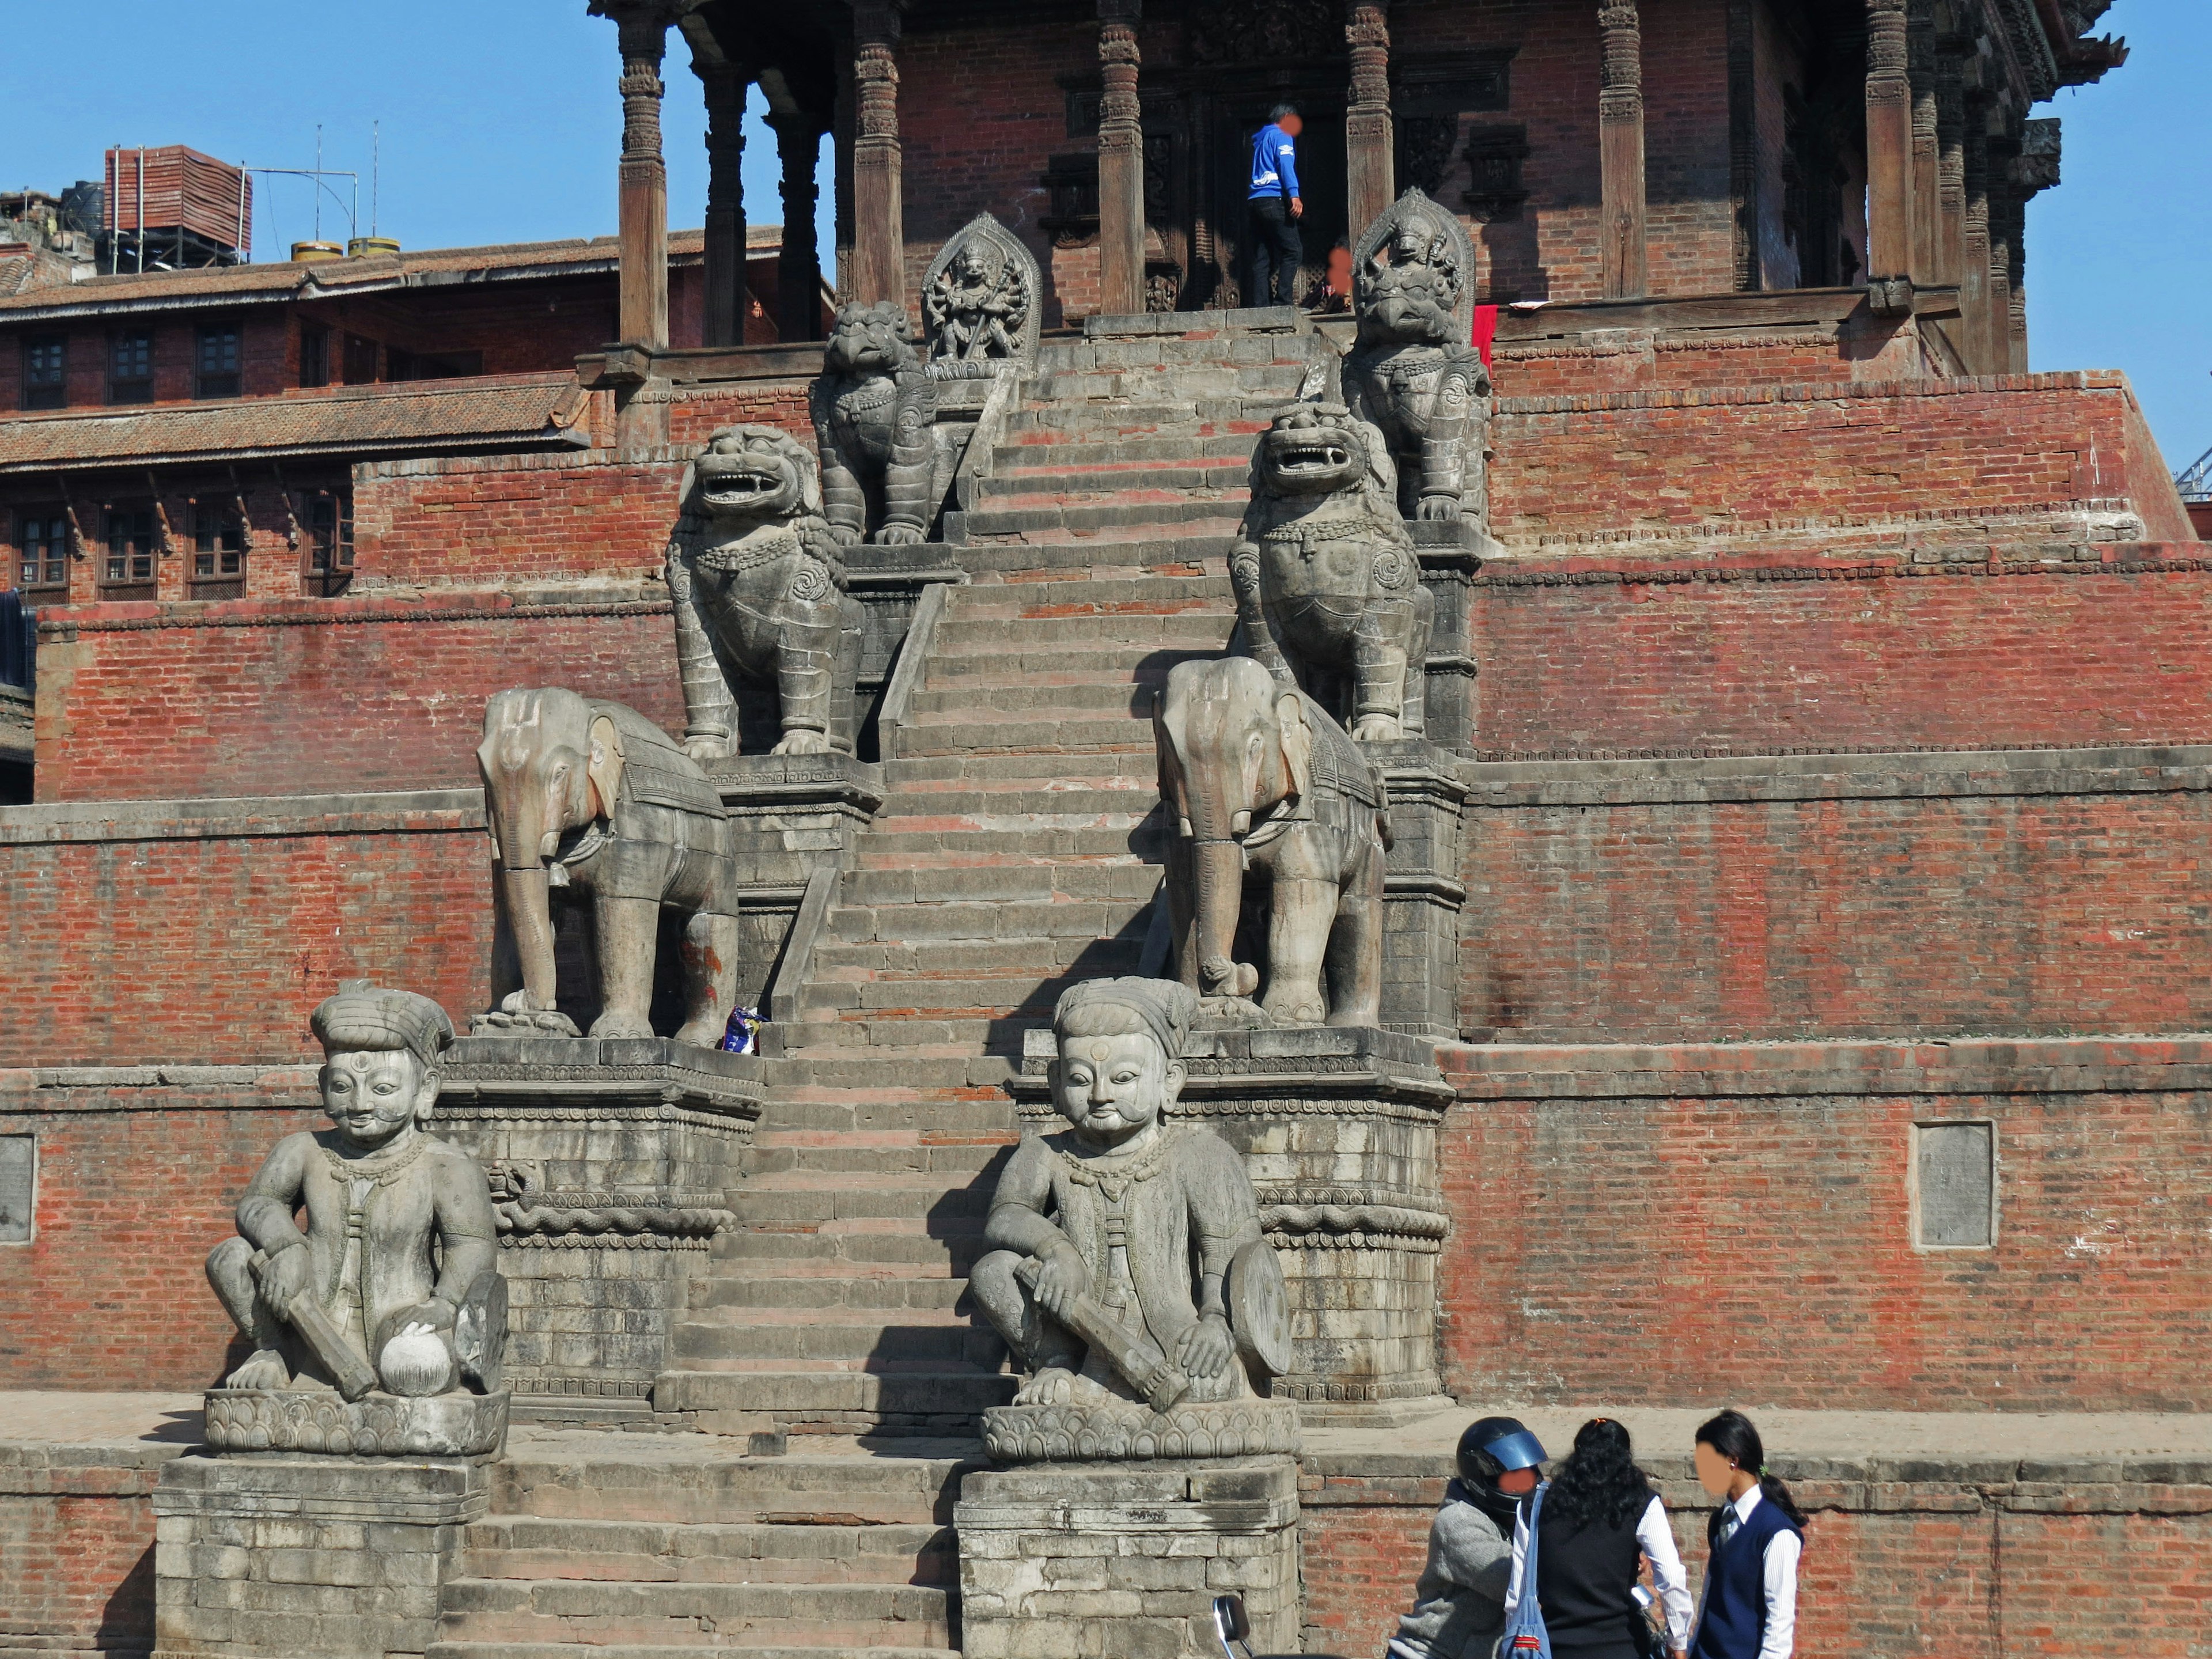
(1491, 1448)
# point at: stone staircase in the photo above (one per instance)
(647, 1546)
(1016, 852)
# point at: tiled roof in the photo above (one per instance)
(162, 290)
(501, 411)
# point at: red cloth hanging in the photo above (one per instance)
(1486, 330)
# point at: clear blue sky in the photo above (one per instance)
(500, 122)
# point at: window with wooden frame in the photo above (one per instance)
(42, 546)
(215, 360)
(314, 356)
(126, 568)
(45, 371)
(327, 543)
(218, 551)
(359, 360)
(131, 367)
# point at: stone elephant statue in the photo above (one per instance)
(1257, 778)
(592, 798)
(1328, 585)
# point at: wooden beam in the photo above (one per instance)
(878, 206)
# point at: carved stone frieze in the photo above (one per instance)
(457, 1425)
(980, 301)
(1112, 1431)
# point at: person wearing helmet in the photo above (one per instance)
(1459, 1605)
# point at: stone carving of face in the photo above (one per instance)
(374, 1095)
(741, 479)
(877, 337)
(968, 266)
(1111, 1088)
(1312, 450)
(1412, 243)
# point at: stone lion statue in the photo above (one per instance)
(873, 409)
(1329, 589)
(760, 598)
(1412, 373)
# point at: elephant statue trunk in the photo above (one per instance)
(1217, 872)
(527, 890)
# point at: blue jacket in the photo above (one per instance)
(1734, 1617)
(1274, 164)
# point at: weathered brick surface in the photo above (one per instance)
(447, 523)
(137, 1182)
(1633, 1202)
(193, 946)
(76, 1559)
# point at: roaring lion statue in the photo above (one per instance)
(1329, 587)
(873, 407)
(759, 596)
(1412, 373)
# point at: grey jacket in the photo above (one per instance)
(1459, 1606)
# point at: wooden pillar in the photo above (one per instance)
(727, 302)
(1888, 143)
(1120, 162)
(1369, 187)
(1974, 267)
(643, 221)
(1927, 204)
(1743, 146)
(878, 212)
(2008, 220)
(1621, 151)
(799, 263)
(1951, 158)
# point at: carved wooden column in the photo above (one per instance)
(1927, 205)
(1951, 157)
(878, 212)
(1369, 186)
(1120, 162)
(799, 264)
(2008, 220)
(1620, 150)
(727, 302)
(1889, 151)
(643, 223)
(1974, 267)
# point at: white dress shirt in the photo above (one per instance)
(1778, 1578)
(1657, 1540)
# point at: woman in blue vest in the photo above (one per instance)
(1600, 1522)
(1749, 1609)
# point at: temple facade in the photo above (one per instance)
(1716, 915)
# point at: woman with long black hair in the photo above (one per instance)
(1600, 1522)
(1749, 1608)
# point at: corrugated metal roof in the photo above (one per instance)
(507, 411)
(164, 290)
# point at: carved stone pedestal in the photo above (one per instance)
(1450, 551)
(1068, 1561)
(274, 1557)
(611, 1164)
(1423, 890)
(1338, 1127)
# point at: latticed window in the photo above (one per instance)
(131, 367)
(46, 366)
(42, 539)
(131, 547)
(218, 551)
(329, 527)
(314, 356)
(218, 360)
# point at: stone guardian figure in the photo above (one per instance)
(366, 1254)
(1129, 1275)
(979, 299)
(1412, 374)
(874, 405)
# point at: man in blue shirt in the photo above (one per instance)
(1275, 209)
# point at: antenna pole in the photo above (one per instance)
(375, 169)
(318, 168)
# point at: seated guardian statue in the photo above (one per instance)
(366, 1253)
(1129, 1265)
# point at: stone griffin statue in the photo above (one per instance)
(1412, 373)
(759, 596)
(1328, 591)
(873, 407)
(1129, 1274)
(392, 1282)
(979, 299)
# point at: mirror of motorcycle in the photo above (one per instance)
(1230, 1623)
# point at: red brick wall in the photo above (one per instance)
(1737, 458)
(135, 1186)
(452, 523)
(1592, 654)
(1889, 902)
(280, 698)
(213, 948)
(76, 1559)
(1725, 1224)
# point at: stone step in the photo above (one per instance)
(939, 1163)
(1161, 480)
(1048, 836)
(685, 1479)
(1053, 521)
(1160, 594)
(862, 1105)
(642, 1551)
(467, 1650)
(1127, 879)
(1112, 662)
(1050, 447)
(1238, 348)
(939, 735)
(918, 1340)
(753, 1296)
(954, 1396)
(1195, 625)
(1144, 382)
(1094, 557)
(698, 1616)
(890, 1089)
(799, 1198)
(991, 996)
(932, 960)
(949, 1251)
(951, 802)
(1130, 692)
(971, 920)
